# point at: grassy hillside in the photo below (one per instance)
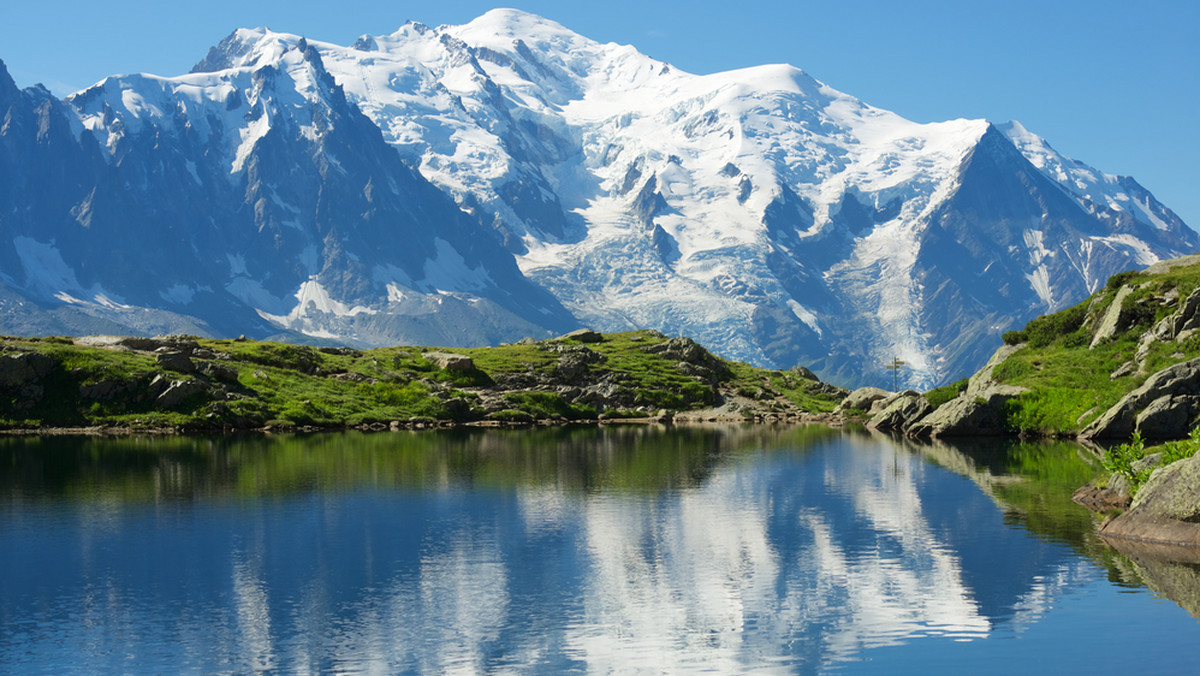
(195, 383)
(1079, 362)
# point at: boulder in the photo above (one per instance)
(574, 362)
(980, 415)
(689, 351)
(178, 392)
(978, 411)
(220, 372)
(1168, 417)
(1165, 509)
(583, 336)
(175, 360)
(450, 361)
(1174, 391)
(804, 373)
(862, 399)
(900, 411)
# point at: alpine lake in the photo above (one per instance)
(611, 549)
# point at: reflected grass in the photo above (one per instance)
(584, 458)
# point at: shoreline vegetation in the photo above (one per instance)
(185, 384)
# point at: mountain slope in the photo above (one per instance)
(471, 184)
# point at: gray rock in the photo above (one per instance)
(689, 351)
(1165, 509)
(901, 411)
(175, 360)
(699, 372)
(978, 411)
(981, 415)
(1127, 369)
(804, 373)
(179, 342)
(583, 336)
(1109, 325)
(140, 343)
(1180, 381)
(862, 399)
(1168, 417)
(178, 392)
(450, 361)
(220, 372)
(106, 390)
(572, 365)
(20, 370)
(158, 385)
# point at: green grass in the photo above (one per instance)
(938, 396)
(299, 385)
(1070, 384)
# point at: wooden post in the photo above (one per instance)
(894, 367)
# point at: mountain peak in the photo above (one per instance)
(246, 47)
(7, 85)
(501, 28)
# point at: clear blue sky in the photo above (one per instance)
(1114, 84)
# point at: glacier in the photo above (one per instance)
(474, 184)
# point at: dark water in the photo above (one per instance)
(627, 550)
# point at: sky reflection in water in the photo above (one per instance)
(626, 550)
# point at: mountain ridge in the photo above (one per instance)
(770, 216)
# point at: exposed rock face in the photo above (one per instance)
(976, 412)
(1111, 321)
(180, 391)
(574, 362)
(176, 361)
(1165, 509)
(694, 359)
(1162, 407)
(900, 411)
(21, 370)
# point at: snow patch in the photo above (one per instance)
(179, 293)
(45, 269)
(448, 271)
(805, 315)
(250, 135)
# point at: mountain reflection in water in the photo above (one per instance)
(615, 549)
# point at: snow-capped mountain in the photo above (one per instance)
(508, 177)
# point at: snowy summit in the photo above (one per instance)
(509, 177)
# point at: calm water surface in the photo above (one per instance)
(731, 550)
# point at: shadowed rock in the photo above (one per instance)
(1162, 407)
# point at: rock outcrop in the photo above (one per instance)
(899, 411)
(1165, 509)
(978, 411)
(862, 399)
(1165, 406)
(450, 361)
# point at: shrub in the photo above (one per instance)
(1047, 328)
(1015, 337)
(1118, 280)
(1121, 459)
